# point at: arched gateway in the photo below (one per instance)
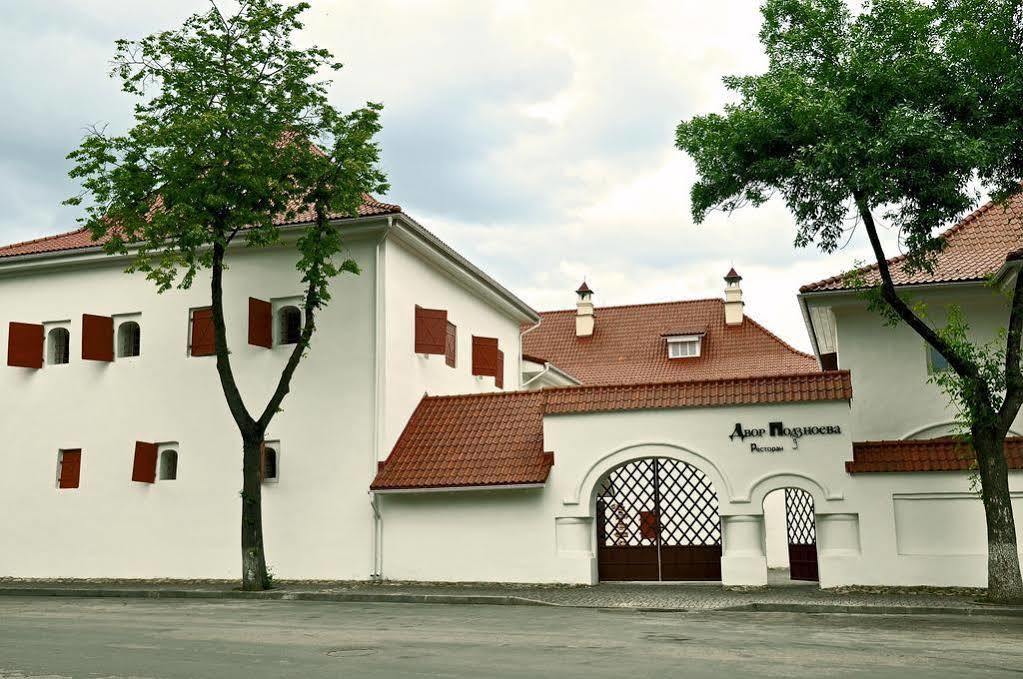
(657, 519)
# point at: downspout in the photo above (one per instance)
(521, 335)
(546, 369)
(379, 405)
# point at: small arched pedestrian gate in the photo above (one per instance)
(802, 535)
(657, 519)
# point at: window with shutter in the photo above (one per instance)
(144, 469)
(70, 468)
(25, 345)
(261, 329)
(431, 331)
(451, 344)
(499, 373)
(203, 341)
(97, 338)
(484, 356)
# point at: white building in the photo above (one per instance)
(441, 429)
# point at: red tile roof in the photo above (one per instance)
(974, 249)
(80, 239)
(478, 440)
(944, 454)
(628, 345)
(497, 439)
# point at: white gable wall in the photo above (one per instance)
(410, 281)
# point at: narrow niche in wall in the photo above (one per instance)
(128, 338)
(58, 343)
(270, 462)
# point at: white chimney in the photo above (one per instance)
(733, 298)
(584, 311)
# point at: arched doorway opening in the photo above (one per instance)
(657, 520)
(791, 534)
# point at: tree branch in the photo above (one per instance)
(1013, 377)
(227, 382)
(965, 368)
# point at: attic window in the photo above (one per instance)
(684, 346)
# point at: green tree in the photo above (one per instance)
(895, 113)
(233, 130)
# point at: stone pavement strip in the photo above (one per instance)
(639, 596)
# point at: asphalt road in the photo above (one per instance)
(108, 638)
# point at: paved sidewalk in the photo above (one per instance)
(788, 597)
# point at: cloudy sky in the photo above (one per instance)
(536, 137)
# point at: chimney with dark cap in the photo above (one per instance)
(733, 298)
(584, 318)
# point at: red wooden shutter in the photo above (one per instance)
(261, 333)
(144, 469)
(25, 345)
(203, 339)
(70, 468)
(484, 356)
(431, 330)
(97, 338)
(648, 524)
(451, 344)
(499, 373)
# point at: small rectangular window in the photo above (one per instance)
(683, 346)
(69, 468)
(168, 461)
(936, 363)
(128, 336)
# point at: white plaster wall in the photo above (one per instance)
(317, 518)
(892, 398)
(548, 535)
(411, 281)
(775, 530)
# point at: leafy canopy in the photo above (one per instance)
(233, 131)
(898, 106)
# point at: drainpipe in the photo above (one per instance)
(534, 378)
(521, 335)
(380, 382)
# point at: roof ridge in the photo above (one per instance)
(638, 304)
(43, 239)
(545, 393)
(779, 340)
(951, 231)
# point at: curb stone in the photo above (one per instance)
(490, 599)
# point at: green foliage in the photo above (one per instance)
(989, 357)
(881, 105)
(233, 129)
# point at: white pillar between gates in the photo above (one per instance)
(838, 549)
(743, 561)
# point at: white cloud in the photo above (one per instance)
(534, 136)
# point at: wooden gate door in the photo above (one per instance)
(657, 519)
(802, 535)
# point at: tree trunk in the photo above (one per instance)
(254, 575)
(1004, 582)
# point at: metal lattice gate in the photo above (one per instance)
(802, 534)
(657, 519)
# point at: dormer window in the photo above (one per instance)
(684, 346)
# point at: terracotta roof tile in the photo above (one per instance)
(80, 239)
(478, 440)
(944, 454)
(497, 439)
(627, 345)
(974, 249)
